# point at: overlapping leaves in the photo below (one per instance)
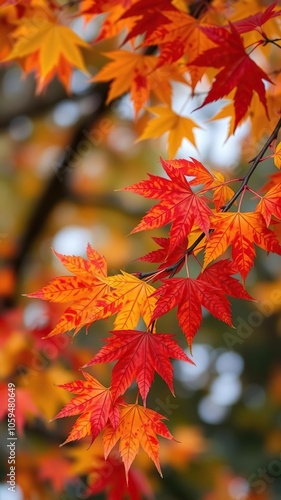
(168, 42)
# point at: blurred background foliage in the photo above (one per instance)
(62, 158)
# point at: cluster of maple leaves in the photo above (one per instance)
(160, 42)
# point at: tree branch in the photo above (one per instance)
(55, 190)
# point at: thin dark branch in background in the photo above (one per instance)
(55, 191)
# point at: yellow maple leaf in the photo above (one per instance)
(277, 156)
(135, 297)
(35, 379)
(49, 49)
(177, 126)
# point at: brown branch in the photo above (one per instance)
(55, 190)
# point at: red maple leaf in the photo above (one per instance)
(94, 402)
(179, 205)
(25, 406)
(239, 70)
(256, 21)
(220, 274)
(189, 295)
(139, 355)
(178, 36)
(162, 255)
(84, 289)
(149, 16)
(110, 477)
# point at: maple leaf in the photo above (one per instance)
(110, 476)
(177, 126)
(220, 274)
(256, 21)
(137, 73)
(277, 156)
(196, 169)
(55, 469)
(139, 355)
(149, 16)
(88, 284)
(95, 7)
(222, 192)
(94, 402)
(273, 179)
(129, 71)
(138, 426)
(178, 36)
(133, 298)
(112, 11)
(270, 204)
(25, 406)
(239, 70)
(211, 180)
(162, 255)
(178, 205)
(242, 231)
(189, 296)
(49, 49)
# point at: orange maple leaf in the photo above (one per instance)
(222, 192)
(270, 204)
(137, 73)
(94, 402)
(138, 426)
(88, 284)
(129, 71)
(113, 23)
(178, 35)
(139, 355)
(242, 231)
(49, 49)
(179, 205)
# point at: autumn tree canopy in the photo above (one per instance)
(169, 72)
